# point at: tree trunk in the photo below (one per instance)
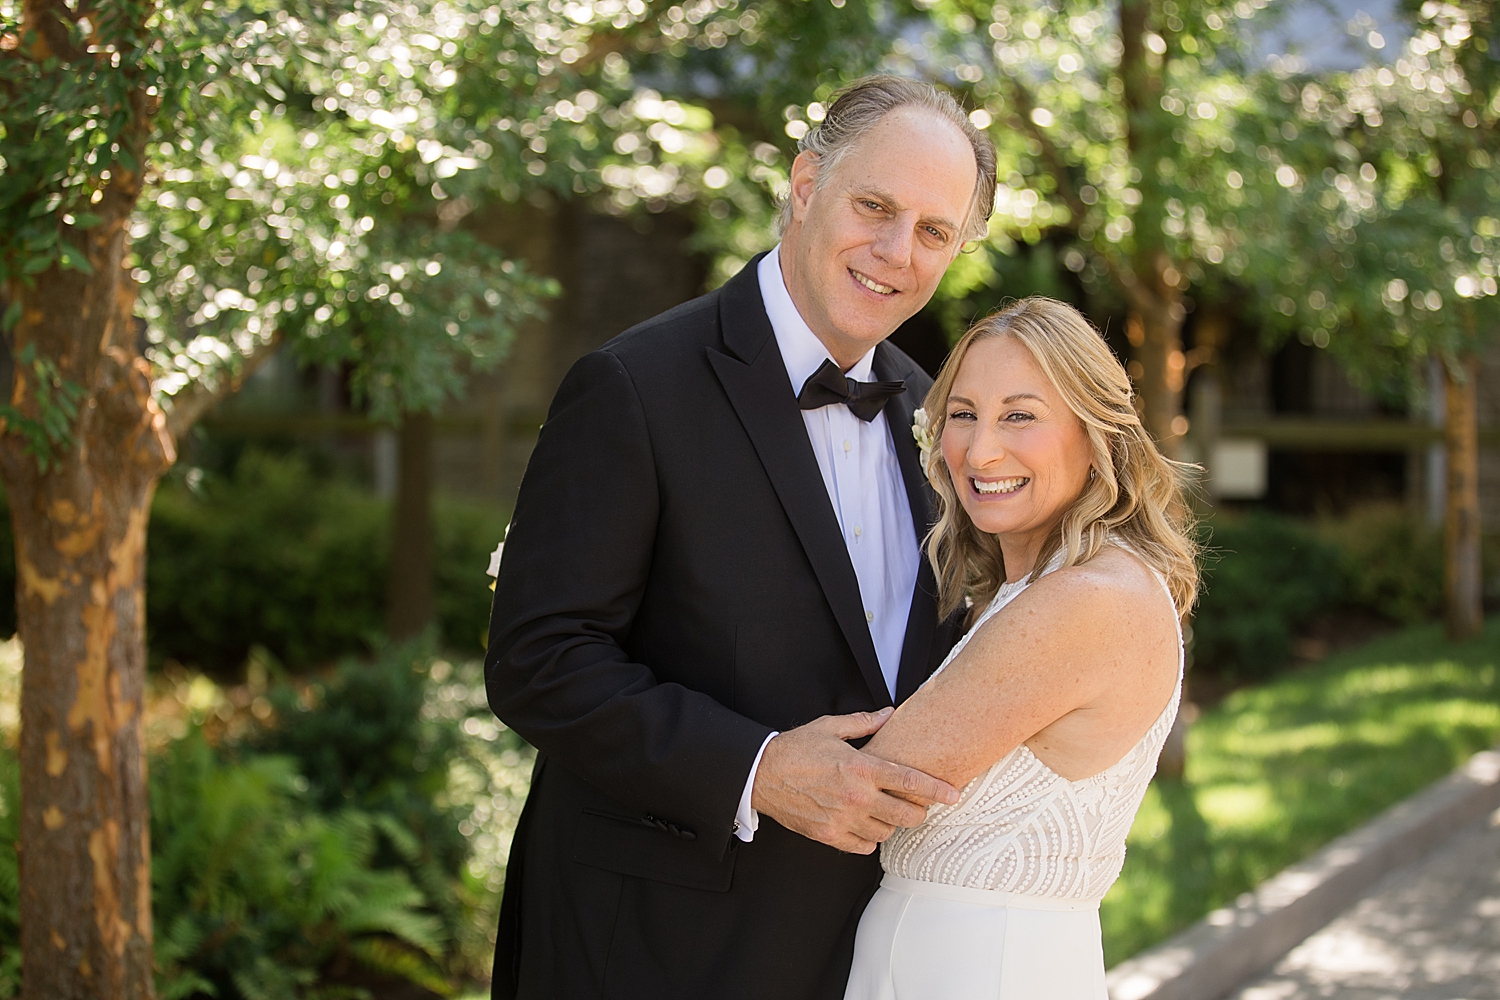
(80, 535)
(80, 483)
(1151, 283)
(409, 598)
(1155, 333)
(1462, 608)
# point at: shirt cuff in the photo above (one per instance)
(747, 820)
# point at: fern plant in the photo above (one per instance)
(258, 893)
(319, 857)
(364, 740)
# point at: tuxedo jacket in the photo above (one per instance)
(675, 587)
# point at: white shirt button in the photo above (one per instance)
(848, 446)
(858, 531)
(869, 616)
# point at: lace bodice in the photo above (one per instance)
(1020, 827)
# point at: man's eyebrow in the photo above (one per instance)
(889, 199)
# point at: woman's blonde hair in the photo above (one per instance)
(1134, 493)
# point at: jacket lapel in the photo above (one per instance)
(921, 621)
(755, 380)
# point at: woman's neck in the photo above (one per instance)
(1020, 550)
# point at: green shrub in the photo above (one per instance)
(278, 557)
(1263, 578)
(363, 739)
(10, 881)
(271, 557)
(257, 893)
(325, 848)
(1392, 562)
(465, 535)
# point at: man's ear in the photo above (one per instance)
(804, 180)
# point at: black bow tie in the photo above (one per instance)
(829, 385)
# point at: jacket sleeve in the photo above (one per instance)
(577, 558)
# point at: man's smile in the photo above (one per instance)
(871, 283)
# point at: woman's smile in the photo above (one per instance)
(987, 488)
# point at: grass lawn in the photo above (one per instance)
(1277, 771)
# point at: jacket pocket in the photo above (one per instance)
(647, 848)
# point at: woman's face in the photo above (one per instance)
(1018, 456)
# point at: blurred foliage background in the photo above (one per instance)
(348, 212)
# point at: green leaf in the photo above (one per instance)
(44, 206)
(37, 264)
(73, 259)
(86, 220)
(12, 314)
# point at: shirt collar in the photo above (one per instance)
(801, 350)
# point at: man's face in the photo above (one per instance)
(867, 249)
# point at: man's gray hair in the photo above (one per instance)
(863, 105)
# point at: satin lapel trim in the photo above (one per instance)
(898, 417)
(762, 396)
(921, 620)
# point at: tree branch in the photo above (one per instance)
(197, 399)
(49, 19)
(1022, 104)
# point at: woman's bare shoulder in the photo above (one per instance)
(1115, 585)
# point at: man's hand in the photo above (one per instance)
(812, 782)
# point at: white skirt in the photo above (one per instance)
(926, 941)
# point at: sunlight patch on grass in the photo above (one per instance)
(1239, 807)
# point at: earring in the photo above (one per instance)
(1093, 473)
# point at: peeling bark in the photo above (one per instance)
(1463, 611)
(80, 535)
(80, 531)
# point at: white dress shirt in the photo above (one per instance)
(860, 471)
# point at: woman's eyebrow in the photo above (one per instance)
(1023, 395)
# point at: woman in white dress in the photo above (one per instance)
(1067, 532)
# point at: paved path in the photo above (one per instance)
(1430, 931)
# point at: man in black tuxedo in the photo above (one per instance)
(712, 582)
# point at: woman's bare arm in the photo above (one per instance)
(1087, 644)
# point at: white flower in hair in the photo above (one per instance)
(921, 432)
